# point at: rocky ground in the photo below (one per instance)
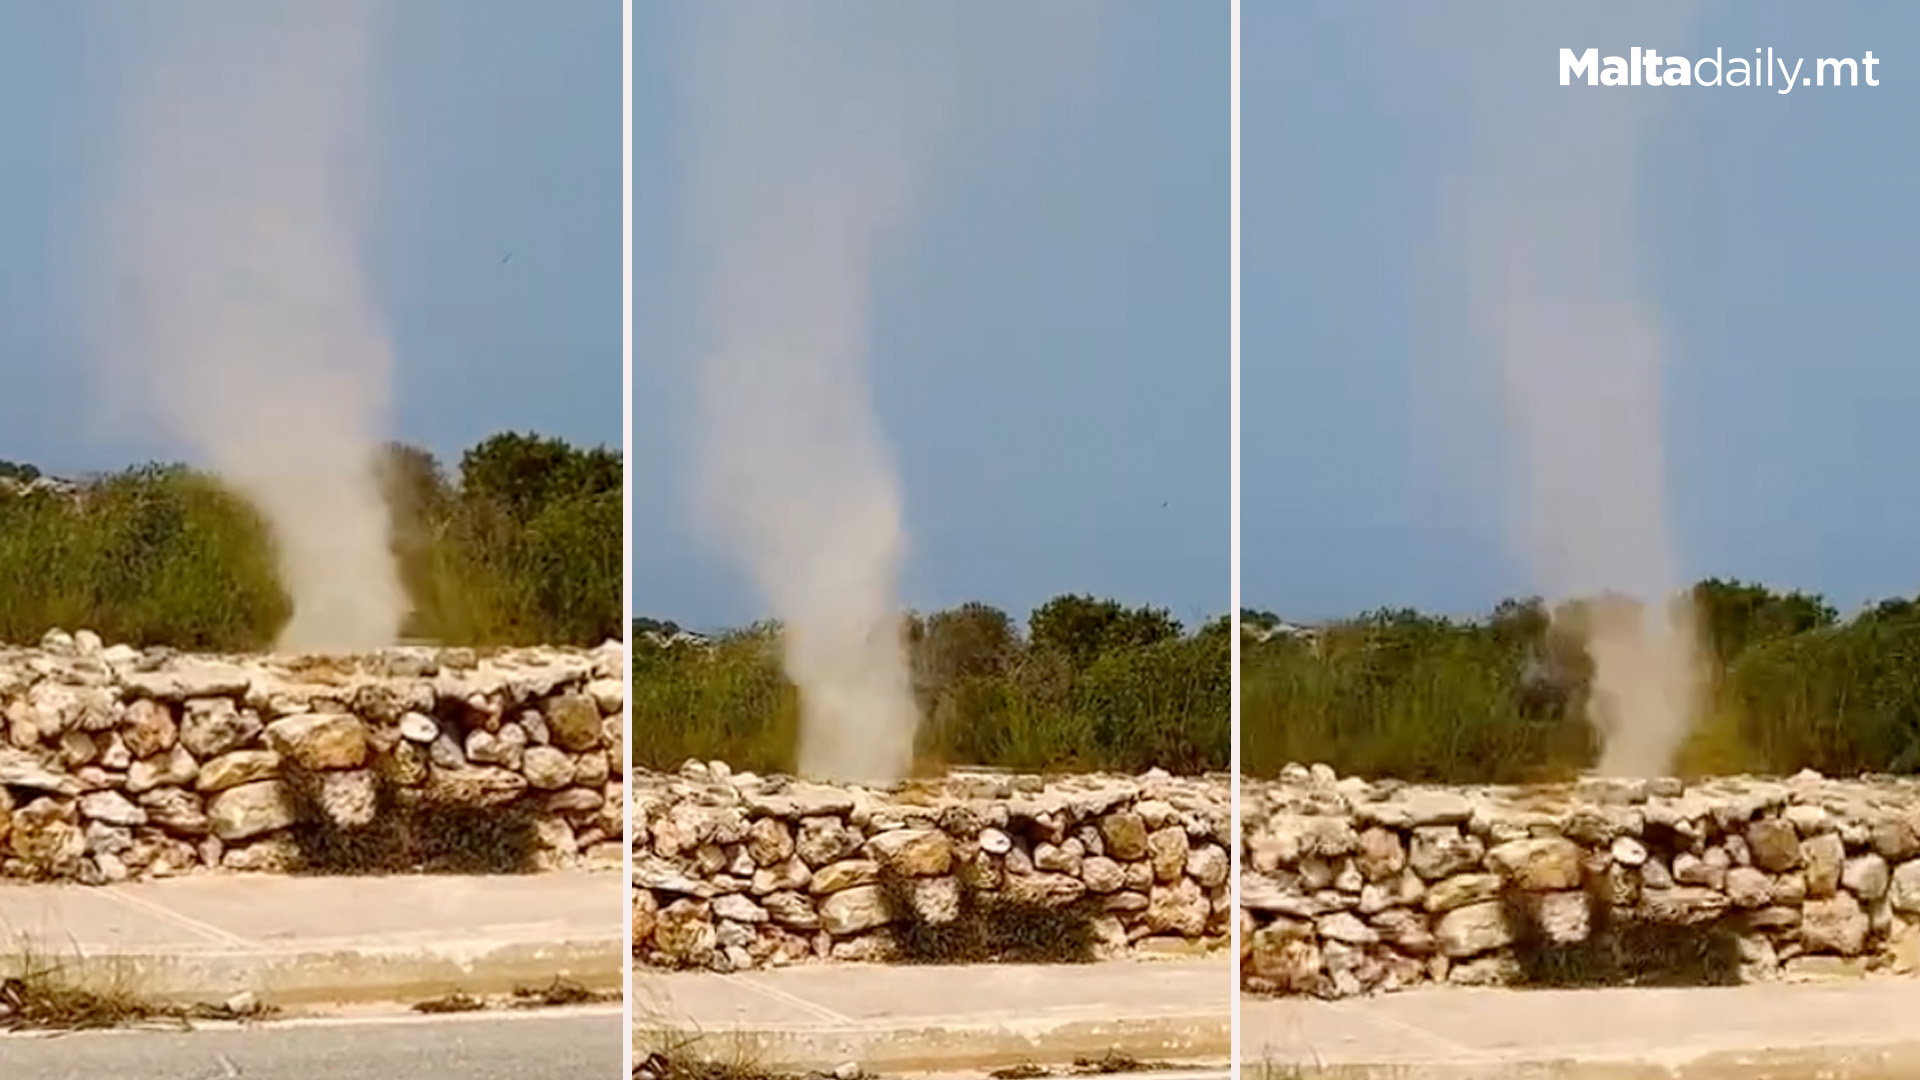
(734, 871)
(121, 763)
(1352, 886)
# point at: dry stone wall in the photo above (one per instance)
(122, 763)
(735, 871)
(1351, 886)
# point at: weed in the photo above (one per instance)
(559, 992)
(455, 1002)
(40, 992)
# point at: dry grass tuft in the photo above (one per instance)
(40, 992)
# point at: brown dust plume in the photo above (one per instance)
(231, 300)
(1559, 294)
(810, 145)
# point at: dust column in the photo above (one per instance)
(233, 307)
(809, 131)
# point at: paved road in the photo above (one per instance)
(584, 1044)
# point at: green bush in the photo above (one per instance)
(525, 547)
(155, 554)
(1501, 699)
(1121, 690)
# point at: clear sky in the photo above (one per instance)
(500, 134)
(1775, 233)
(1051, 346)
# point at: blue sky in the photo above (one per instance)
(501, 133)
(1776, 234)
(1050, 347)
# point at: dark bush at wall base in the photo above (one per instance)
(1093, 685)
(989, 928)
(408, 833)
(1623, 950)
(523, 546)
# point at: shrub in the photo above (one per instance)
(989, 928)
(1092, 685)
(1501, 699)
(408, 833)
(525, 548)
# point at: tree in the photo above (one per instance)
(970, 641)
(1083, 628)
(574, 564)
(1735, 616)
(414, 484)
(523, 473)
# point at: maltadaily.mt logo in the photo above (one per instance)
(1647, 67)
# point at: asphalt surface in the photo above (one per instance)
(571, 1044)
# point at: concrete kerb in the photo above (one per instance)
(356, 973)
(934, 1045)
(1833, 1031)
(1896, 1062)
(892, 1033)
(315, 943)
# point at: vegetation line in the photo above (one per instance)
(1091, 685)
(521, 546)
(1786, 685)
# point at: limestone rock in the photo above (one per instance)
(320, 740)
(850, 911)
(1822, 855)
(1473, 929)
(46, 836)
(235, 768)
(823, 840)
(22, 770)
(175, 767)
(176, 810)
(573, 721)
(912, 852)
(349, 797)
(112, 808)
(480, 786)
(1539, 865)
(1775, 845)
(249, 810)
(1125, 835)
(1167, 850)
(214, 727)
(149, 728)
(418, 728)
(1903, 889)
(1836, 925)
(547, 769)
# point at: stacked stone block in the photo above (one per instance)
(1352, 886)
(120, 763)
(735, 871)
